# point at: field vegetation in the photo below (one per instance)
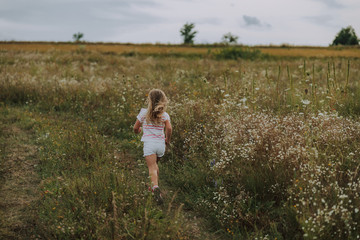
(204, 50)
(263, 147)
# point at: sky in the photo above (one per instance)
(255, 22)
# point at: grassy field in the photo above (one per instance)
(266, 148)
(197, 50)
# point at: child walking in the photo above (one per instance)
(153, 121)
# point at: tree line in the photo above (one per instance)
(346, 36)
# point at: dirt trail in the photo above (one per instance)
(18, 181)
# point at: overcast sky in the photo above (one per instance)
(297, 22)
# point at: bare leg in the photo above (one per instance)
(157, 162)
(151, 162)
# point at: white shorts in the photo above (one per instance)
(151, 148)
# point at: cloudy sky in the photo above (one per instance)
(298, 22)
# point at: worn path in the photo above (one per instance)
(18, 178)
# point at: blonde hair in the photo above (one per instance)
(157, 103)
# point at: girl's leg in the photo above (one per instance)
(151, 162)
(157, 162)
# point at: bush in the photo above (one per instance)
(235, 53)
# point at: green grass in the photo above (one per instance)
(256, 144)
(92, 189)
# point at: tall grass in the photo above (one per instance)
(261, 149)
(91, 189)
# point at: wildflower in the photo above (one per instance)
(243, 100)
(305, 102)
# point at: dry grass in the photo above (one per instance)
(116, 48)
(19, 183)
(321, 52)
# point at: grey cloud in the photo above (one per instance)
(95, 18)
(211, 21)
(188, 1)
(73, 11)
(125, 16)
(331, 3)
(254, 21)
(250, 21)
(323, 20)
(21, 3)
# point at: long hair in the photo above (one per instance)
(157, 103)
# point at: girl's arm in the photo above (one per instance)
(137, 127)
(168, 131)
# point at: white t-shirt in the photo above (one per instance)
(151, 131)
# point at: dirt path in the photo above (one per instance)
(18, 180)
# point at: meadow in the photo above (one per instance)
(264, 147)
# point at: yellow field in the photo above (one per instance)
(117, 48)
(163, 49)
(313, 52)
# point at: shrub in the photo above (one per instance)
(235, 53)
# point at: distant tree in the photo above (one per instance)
(78, 36)
(346, 36)
(187, 33)
(229, 38)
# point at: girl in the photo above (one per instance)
(153, 120)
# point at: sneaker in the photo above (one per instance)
(157, 196)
